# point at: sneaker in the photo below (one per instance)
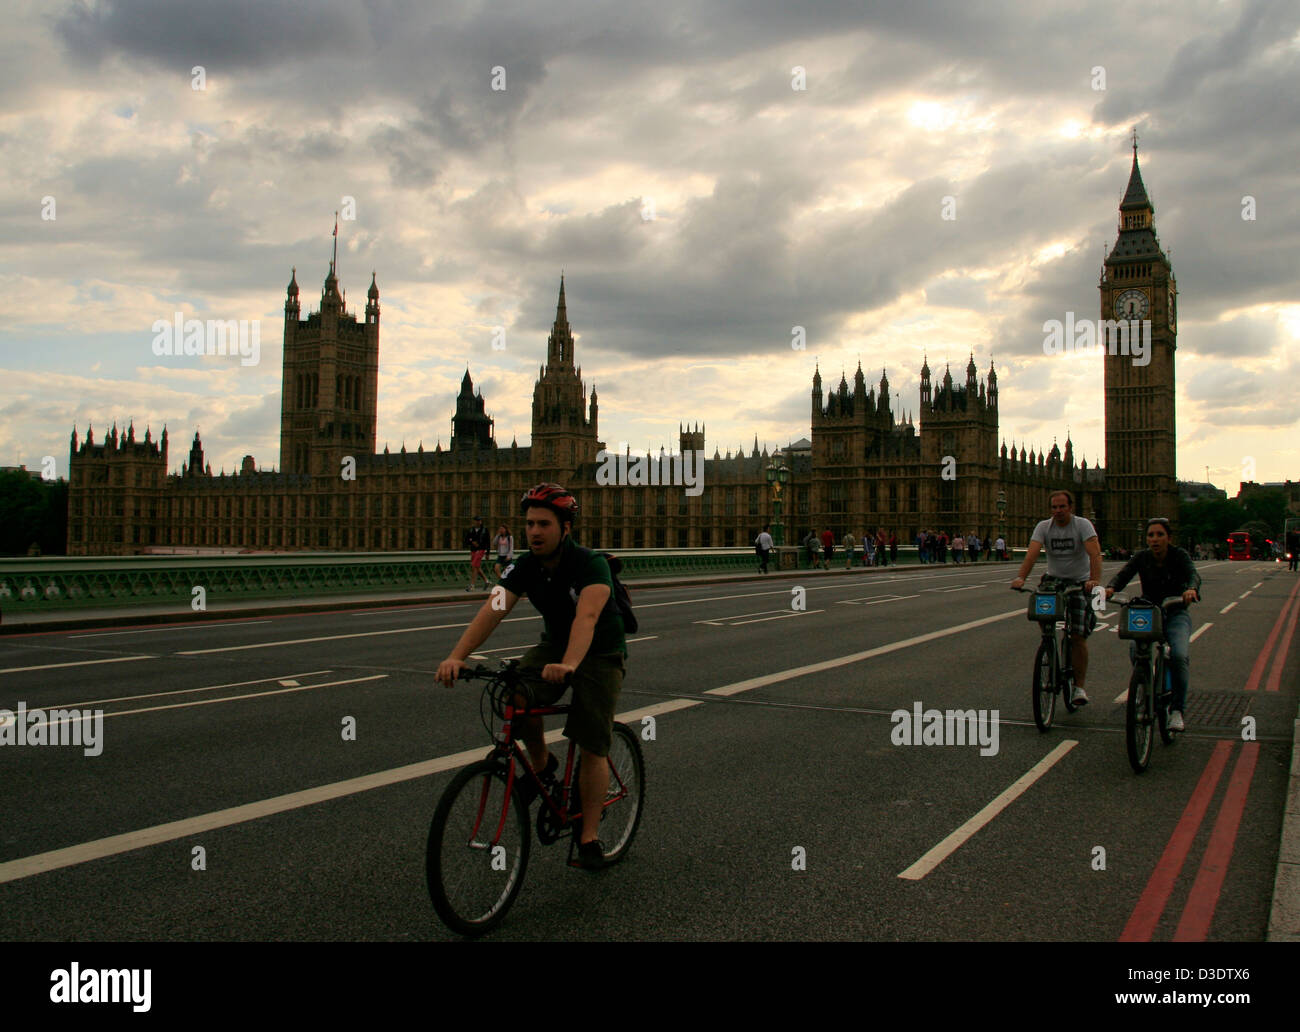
(1176, 720)
(524, 784)
(591, 855)
(1079, 697)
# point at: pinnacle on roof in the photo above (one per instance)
(293, 282)
(373, 292)
(1136, 194)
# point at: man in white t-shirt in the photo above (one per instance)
(763, 546)
(1073, 554)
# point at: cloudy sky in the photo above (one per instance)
(708, 176)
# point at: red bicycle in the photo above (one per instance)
(479, 839)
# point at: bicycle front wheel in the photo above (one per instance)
(1138, 731)
(1067, 689)
(475, 863)
(1044, 685)
(1163, 696)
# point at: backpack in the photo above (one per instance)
(619, 597)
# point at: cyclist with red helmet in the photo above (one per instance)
(582, 639)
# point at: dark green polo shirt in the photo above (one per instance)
(554, 594)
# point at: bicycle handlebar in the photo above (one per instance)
(1171, 600)
(508, 671)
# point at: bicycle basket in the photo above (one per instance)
(1141, 622)
(1046, 607)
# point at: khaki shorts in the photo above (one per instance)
(596, 686)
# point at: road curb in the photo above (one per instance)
(1284, 920)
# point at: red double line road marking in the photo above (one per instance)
(1257, 671)
(1275, 678)
(1146, 915)
(1194, 925)
(1203, 899)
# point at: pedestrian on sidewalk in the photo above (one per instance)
(958, 548)
(504, 543)
(814, 549)
(476, 540)
(850, 543)
(893, 548)
(763, 546)
(828, 547)
(882, 548)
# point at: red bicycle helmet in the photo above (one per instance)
(553, 497)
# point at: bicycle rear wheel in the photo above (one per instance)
(625, 797)
(1138, 731)
(473, 875)
(1043, 686)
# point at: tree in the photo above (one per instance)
(1209, 521)
(1268, 507)
(32, 512)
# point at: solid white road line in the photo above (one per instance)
(953, 842)
(339, 637)
(209, 702)
(40, 863)
(172, 627)
(856, 657)
(83, 662)
(25, 867)
(181, 691)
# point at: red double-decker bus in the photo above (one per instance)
(1239, 545)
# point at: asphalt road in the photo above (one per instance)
(780, 743)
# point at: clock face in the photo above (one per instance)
(1132, 304)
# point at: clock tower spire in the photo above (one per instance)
(1138, 322)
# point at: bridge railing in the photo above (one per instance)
(51, 582)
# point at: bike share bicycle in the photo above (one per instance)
(1053, 673)
(479, 838)
(1150, 687)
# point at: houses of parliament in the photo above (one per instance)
(867, 466)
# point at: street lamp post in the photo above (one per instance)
(777, 478)
(1002, 516)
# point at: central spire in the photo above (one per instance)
(559, 346)
(1135, 197)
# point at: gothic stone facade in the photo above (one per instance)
(868, 466)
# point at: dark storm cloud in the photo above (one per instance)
(233, 33)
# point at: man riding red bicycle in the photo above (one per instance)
(583, 641)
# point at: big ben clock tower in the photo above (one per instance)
(1138, 288)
